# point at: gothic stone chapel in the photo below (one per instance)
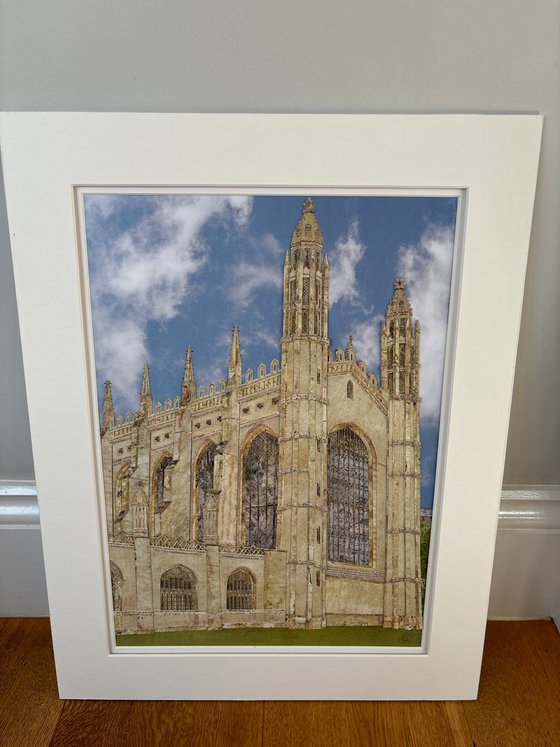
(287, 497)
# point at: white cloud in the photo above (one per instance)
(366, 340)
(426, 268)
(143, 274)
(348, 251)
(241, 206)
(249, 277)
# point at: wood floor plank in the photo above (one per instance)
(344, 724)
(30, 706)
(519, 694)
(420, 723)
(391, 725)
(517, 705)
(159, 724)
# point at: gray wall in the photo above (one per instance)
(297, 56)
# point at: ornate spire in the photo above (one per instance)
(146, 394)
(399, 304)
(400, 346)
(108, 410)
(188, 390)
(350, 354)
(234, 364)
(308, 230)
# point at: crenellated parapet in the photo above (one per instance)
(344, 362)
(209, 401)
(263, 383)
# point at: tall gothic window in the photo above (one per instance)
(178, 589)
(348, 498)
(293, 323)
(240, 591)
(261, 491)
(204, 484)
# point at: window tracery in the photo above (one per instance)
(348, 498)
(261, 491)
(178, 589)
(204, 485)
(240, 591)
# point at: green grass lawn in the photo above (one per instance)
(335, 636)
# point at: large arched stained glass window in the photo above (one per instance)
(261, 491)
(348, 498)
(204, 484)
(178, 589)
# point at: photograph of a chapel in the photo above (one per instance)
(284, 496)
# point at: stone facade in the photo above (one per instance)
(289, 496)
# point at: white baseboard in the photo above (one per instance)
(525, 580)
(23, 590)
(526, 573)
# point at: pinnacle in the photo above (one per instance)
(309, 206)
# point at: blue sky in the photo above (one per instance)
(168, 271)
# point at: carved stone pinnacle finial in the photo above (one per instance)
(309, 206)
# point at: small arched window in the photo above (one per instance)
(178, 589)
(204, 484)
(293, 323)
(240, 590)
(122, 492)
(116, 587)
(350, 390)
(162, 487)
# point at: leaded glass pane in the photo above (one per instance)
(204, 484)
(348, 498)
(261, 491)
(240, 591)
(178, 590)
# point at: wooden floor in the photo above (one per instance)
(519, 704)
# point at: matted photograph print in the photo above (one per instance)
(269, 376)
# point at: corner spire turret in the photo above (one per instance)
(146, 393)
(188, 390)
(234, 363)
(400, 345)
(306, 279)
(108, 409)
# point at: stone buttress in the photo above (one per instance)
(400, 353)
(303, 423)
